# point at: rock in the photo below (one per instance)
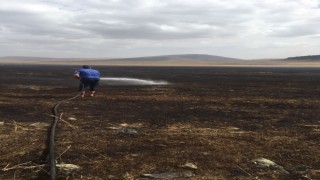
(170, 175)
(264, 162)
(68, 168)
(269, 165)
(190, 166)
(128, 131)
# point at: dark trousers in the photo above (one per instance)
(85, 82)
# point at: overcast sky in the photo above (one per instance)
(247, 29)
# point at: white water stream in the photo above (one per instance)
(130, 81)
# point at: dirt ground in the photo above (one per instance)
(218, 118)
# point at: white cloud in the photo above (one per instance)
(151, 27)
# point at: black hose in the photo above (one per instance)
(52, 135)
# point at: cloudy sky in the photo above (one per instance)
(247, 29)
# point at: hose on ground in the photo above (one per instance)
(52, 159)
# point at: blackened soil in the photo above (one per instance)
(218, 118)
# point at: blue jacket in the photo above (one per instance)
(88, 73)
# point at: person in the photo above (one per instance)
(88, 77)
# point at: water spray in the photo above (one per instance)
(131, 81)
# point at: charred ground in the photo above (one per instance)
(218, 118)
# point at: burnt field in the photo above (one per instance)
(219, 119)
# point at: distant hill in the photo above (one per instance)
(182, 57)
(305, 58)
